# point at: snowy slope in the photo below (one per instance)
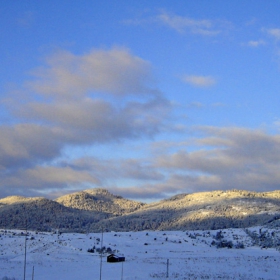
(191, 255)
(94, 209)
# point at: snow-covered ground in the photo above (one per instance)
(190, 255)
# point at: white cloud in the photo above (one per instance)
(115, 72)
(199, 81)
(274, 32)
(46, 179)
(196, 105)
(26, 144)
(78, 101)
(256, 43)
(276, 123)
(182, 24)
(86, 98)
(67, 107)
(235, 157)
(220, 158)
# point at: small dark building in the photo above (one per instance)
(114, 258)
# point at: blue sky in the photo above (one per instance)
(145, 98)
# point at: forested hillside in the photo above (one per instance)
(98, 209)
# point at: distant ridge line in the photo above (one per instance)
(94, 209)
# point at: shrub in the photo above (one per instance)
(101, 250)
(224, 244)
(219, 235)
(239, 245)
(91, 250)
(109, 250)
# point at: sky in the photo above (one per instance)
(147, 99)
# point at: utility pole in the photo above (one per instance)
(25, 249)
(122, 272)
(167, 269)
(101, 251)
(33, 273)
(101, 254)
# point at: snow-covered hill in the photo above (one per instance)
(92, 210)
(99, 200)
(245, 254)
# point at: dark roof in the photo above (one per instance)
(115, 258)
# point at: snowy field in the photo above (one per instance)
(191, 255)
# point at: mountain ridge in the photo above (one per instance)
(99, 200)
(98, 209)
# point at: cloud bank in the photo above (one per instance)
(107, 99)
(100, 97)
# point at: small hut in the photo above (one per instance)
(114, 258)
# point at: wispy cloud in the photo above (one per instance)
(274, 32)
(196, 105)
(185, 24)
(256, 43)
(199, 81)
